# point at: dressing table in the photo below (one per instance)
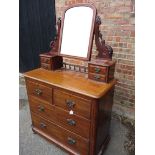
(70, 104)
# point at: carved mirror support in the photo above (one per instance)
(54, 45)
(104, 51)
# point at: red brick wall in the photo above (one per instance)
(118, 30)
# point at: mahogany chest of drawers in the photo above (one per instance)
(70, 110)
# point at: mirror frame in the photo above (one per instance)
(91, 32)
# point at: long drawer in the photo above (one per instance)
(74, 123)
(78, 105)
(38, 90)
(67, 138)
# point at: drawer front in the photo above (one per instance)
(97, 69)
(73, 123)
(46, 66)
(39, 90)
(97, 77)
(69, 102)
(43, 109)
(76, 124)
(73, 141)
(45, 60)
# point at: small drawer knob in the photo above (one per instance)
(42, 125)
(71, 122)
(47, 61)
(71, 141)
(41, 108)
(70, 103)
(44, 66)
(97, 70)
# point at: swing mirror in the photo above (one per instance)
(77, 31)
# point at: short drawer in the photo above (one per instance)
(68, 139)
(46, 66)
(97, 77)
(74, 123)
(42, 108)
(38, 90)
(97, 69)
(45, 60)
(78, 105)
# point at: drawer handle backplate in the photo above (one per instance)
(42, 125)
(38, 92)
(97, 70)
(41, 108)
(97, 77)
(71, 122)
(71, 141)
(70, 104)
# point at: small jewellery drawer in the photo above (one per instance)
(97, 77)
(78, 105)
(45, 60)
(73, 123)
(97, 69)
(38, 90)
(43, 109)
(46, 66)
(101, 70)
(67, 138)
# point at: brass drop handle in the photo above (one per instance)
(71, 141)
(71, 122)
(97, 77)
(42, 125)
(38, 92)
(70, 103)
(97, 70)
(41, 108)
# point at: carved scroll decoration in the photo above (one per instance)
(55, 43)
(104, 51)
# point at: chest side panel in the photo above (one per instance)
(103, 121)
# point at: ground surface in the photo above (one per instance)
(32, 144)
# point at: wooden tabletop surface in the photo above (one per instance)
(71, 80)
